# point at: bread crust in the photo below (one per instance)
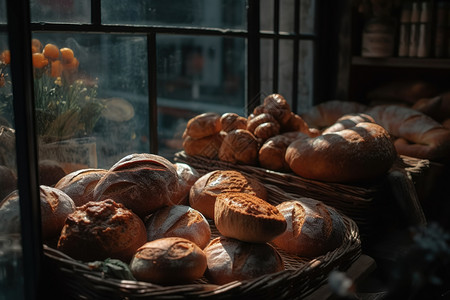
(232, 121)
(239, 146)
(203, 125)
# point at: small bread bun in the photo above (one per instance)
(79, 185)
(100, 230)
(203, 125)
(313, 228)
(267, 130)
(179, 221)
(229, 260)
(296, 123)
(348, 121)
(232, 121)
(207, 146)
(187, 176)
(50, 172)
(202, 196)
(247, 218)
(143, 183)
(55, 207)
(170, 260)
(256, 120)
(277, 106)
(239, 146)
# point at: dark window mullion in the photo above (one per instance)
(296, 61)
(152, 92)
(276, 45)
(96, 11)
(253, 56)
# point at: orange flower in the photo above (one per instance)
(36, 46)
(51, 51)
(66, 55)
(39, 60)
(56, 68)
(72, 66)
(6, 57)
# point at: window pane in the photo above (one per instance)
(287, 11)
(99, 108)
(197, 74)
(61, 11)
(3, 17)
(286, 69)
(266, 15)
(307, 13)
(266, 66)
(11, 268)
(306, 75)
(198, 13)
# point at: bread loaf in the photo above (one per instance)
(232, 121)
(203, 125)
(418, 135)
(348, 121)
(79, 185)
(229, 260)
(313, 228)
(142, 182)
(179, 221)
(277, 106)
(204, 192)
(55, 206)
(438, 108)
(50, 172)
(247, 218)
(168, 261)
(187, 176)
(360, 153)
(208, 146)
(327, 113)
(100, 230)
(239, 147)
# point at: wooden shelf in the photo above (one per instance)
(429, 63)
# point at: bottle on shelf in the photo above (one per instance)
(440, 29)
(414, 31)
(424, 31)
(404, 30)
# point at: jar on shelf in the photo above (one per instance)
(378, 38)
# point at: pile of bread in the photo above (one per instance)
(157, 215)
(335, 141)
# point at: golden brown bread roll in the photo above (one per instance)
(348, 121)
(169, 260)
(100, 230)
(55, 206)
(326, 114)
(313, 228)
(142, 182)
(277, 106)
(203, 125)
(360, 153)
(229, 260)
(207, 146)
(50, 172)
(256, 120)
(247, 218)
(203, 193)
(187, 176)
(418, 135)
(232, 121)
(296, 123)
(239, 146)
(79, 185)
(179, 221)
(266, 130)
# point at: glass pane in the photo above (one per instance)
(266, 15)
(266, 66)
(3, 16)
(61, 11)
(11, 268)
(287, 11)
(286, 69)
(197, 74)
(199, 13)
(306, 75)
(307, 13)
(93, 109)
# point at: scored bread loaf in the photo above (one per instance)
(348, 121)
(208, 146)
(247, 218)
(167, 261)
(232, 121)
(187, 176)
(204, 192)
(203, 125)
(230, 259)
(239, 146)
(313, 228)
(179, 221)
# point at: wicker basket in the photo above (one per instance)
(300, 278)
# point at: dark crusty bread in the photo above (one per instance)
(231, 121)
(203, 125)
(239, 146)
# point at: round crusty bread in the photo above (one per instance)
(170, 260)
(142, 182)
(55, 206)
(277, 106)
(208, 146)
(203, 125)
(100, 230)
(348, 121)
(313, 228)
(79, 185)
(179, 221)
(50, 172)
(202, 196)
(360, 153)
(247, 218)
(187, 176)
(239, 146)
(229, 260)
(232, 121)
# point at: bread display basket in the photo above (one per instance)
(301, 276)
